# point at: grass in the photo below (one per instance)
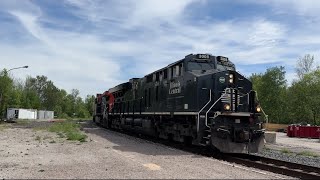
(23, 122)
(68, 129)
(4, 126)
(267, 149)
(39, 128)
(308, 153)
(61, 135)
(285, 151)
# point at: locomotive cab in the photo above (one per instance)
(230, 111)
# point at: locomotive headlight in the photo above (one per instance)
(230, 78)
(258, 109)
(227, 107)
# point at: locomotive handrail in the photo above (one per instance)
(225, 92)
(265, 115)
(198, 123)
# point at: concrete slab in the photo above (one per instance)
(270, 137)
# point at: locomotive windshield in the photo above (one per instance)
(208, 65)
(200, 65)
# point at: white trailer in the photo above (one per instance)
(18, 113)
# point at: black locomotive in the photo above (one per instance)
(199, 100)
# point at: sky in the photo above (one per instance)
(92, 45)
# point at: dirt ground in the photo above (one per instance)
(295, 144)
(26, 152)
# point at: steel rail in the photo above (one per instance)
(276, 166)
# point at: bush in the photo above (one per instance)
(70, 129)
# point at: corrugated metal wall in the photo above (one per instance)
(42, 114)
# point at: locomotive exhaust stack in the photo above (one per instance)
(199, 100)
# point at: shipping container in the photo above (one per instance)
(42, 114)
(17, 113)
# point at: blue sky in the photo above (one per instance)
(92, 45)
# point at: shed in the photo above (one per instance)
(43, 114)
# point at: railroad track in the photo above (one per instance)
(276, 166)
(268, 164)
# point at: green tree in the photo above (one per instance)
(305, 65)
(272, 92)
(305, 98)
(6, 87)
(89, 104)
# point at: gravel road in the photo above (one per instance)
(26, 153)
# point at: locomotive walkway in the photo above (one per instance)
(109, 154)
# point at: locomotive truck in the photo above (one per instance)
(200, 100)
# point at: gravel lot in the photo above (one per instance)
(29, 153)
(294, 150)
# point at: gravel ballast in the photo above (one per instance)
(291, 157)
(38, 154)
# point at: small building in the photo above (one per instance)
(43, 114)
(18, 113)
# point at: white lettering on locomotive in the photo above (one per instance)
(175, 88)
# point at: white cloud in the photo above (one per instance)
(124, 39)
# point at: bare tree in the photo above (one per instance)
(304, 65)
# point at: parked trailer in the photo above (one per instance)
(17, 113)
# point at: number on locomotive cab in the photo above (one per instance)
(203, 56)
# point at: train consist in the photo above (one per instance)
(200, 100)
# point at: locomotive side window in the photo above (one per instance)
(169, 73)
(173, 72)
(180, 71)
(157, 76)
(165, 74)
(154, 77)
(149, 78)
(177, 70)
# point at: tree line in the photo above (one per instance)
(284, 103)
(40, 93)
(297, 102)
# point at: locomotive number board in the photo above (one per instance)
(203, 56)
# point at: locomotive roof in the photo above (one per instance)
(174, 63)
(119, 87)
(177, 62)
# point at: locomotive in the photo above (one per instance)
(199, 100)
